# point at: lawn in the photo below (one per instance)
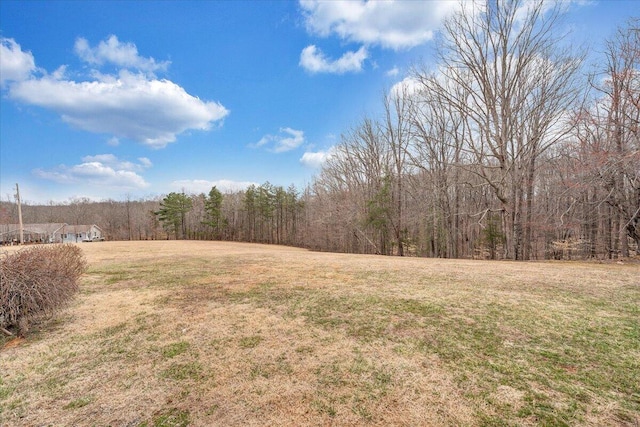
(170, 333)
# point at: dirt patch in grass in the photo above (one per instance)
(207, 333)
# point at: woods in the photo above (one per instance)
(506, 149)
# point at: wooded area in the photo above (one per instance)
(508, 150)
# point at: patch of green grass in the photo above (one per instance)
(305, 349)
(250, 341)
(403, 306)
(112, 277)
(17, 407)
(184, 371)
(331, 374)
(354, 382)
(364, 317)
(324, 405)
(270, 368)
(79, 403)
(260, 370)
(360, 407)
(113, 330)
(54, 383)
(283, 365)
(175, 349)
(146, 272)
(120, 272)
(173, 417)
(5, 390)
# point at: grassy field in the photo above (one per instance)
(206, 333)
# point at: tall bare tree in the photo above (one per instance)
(518, 85)
(609, 130)
(396, 133)
(438, 130)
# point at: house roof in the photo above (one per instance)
(48, 228)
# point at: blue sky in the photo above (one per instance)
(120, 99)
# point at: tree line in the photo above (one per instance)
(504, 150)
(261, 214)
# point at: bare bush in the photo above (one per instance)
(36, 282)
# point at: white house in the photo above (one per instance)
(80, 233)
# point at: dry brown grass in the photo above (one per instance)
(207, 333)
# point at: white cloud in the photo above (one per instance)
(393, 72)
(111, 50)
(131, 106)
(313, 60)
(286, 140)
(204, 186)
(104, 170)
(112, 161)
(316, 159)
(390, 24)
(409, 86)
(15, 65)
(291, 142)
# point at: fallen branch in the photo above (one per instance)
(6, 332)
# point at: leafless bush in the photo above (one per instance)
(37, 281)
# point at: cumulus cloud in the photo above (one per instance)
(15, 64)
(286, 140)
(315, 159)
(131, 104)
(407, 86)
(314, 60)
(112, 161)
(204, 186)
(390, 24)
(111, 50)
(104, 170)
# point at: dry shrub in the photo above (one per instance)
(36, 282)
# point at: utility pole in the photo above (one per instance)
(20, 215)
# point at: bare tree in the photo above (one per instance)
(438, 133)
(609, 130)
(518, 86)
(396, 131)
(352, 183)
